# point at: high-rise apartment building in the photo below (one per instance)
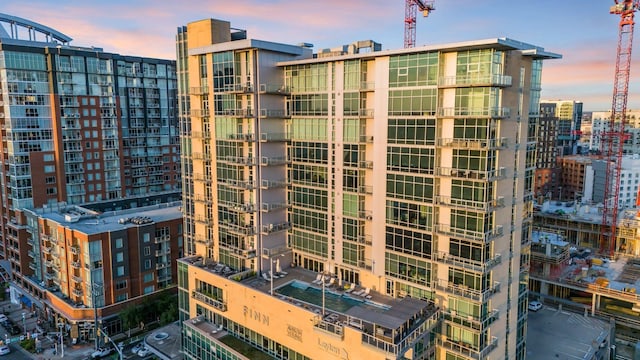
(569, 114)
(601, 121)
(355, 203)
(547, 177)
(79, 125)
(88, 266)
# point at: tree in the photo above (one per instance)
(130, 317)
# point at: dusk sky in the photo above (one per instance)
(583, 32)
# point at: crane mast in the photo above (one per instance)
(613, 139)
(410, 12)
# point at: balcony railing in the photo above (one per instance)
(273, 184)
(274, 137)
(475, 80)
(475, 322)
(199, 296)
(273, 228)
(464, 203)
(484, 144)
(242, 137)
(274, 89)
(267, 207)
(490, 112)
(273, 160)
(485, 175)
(273, 113)
(468, 350)
(244, 230)
(239, 184)
(467, 292)
(468, 234)
(239, 160)
(478, 266)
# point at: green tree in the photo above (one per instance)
(130, 317)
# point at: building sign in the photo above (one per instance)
(255, 315)
(294, 333)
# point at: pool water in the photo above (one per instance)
(303, 292)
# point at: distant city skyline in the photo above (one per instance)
(585, 34)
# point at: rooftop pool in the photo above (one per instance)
(341, 303)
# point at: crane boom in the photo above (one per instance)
(613, 139)
(410, 12)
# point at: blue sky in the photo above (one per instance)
(582, 31)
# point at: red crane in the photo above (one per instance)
(613, 138)
(410, 11)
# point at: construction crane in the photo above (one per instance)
(613, 139)
(410, 11)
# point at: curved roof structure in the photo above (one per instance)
(19, 25)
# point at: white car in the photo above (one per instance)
(4, 350)
(138, 347)
(3, 318)
(101, 352)
(144, 351)
(535, 306)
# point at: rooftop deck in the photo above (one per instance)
(388, 323)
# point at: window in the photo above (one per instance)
(147, 250)
(148, 277)
(122, 284)
(49, 169)
(147, 264)
(48, 157)
(119, 243)
(122, 297)
(146, 237)
(120, 271)
(120, 256)
(149, 289)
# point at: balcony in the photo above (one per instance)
(238, 184)
(272, 113)
(243, 208)
(274, 89)
(76, 279)
(467, 292)
(202, 297)
(202, 177)
(75, 264)
(203, 220)
(50, 275)
(203, 241)
(268, 207)
(161, 265)
(469, 80)
(274, 137)
(203, 199)
(239, 160)
(201, 134)
(242, 230)
(163, 252)
(273, 184)
(77, 292)
(199, 90)
(277, 227)
(467, 204)
(367, 139)
(365, 164)
(273, 160)
(241, 137)
(365, 189)
(45, 249)
(199, 112)
(201, 156)
(238, 113)
(484, 175)
(469, 350)
(478, 266)
(366, 215)
(472, 235)
(479, 112)
(161, 239)
(479, 144)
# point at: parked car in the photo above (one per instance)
(137, 347)
(15, 330)
(101, 352)
(144, 351)
(535, 305)
(4, 350)
(3, 317)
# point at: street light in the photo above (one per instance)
(61, 326)
(95, 288)
(271, 262)
(24, 321)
